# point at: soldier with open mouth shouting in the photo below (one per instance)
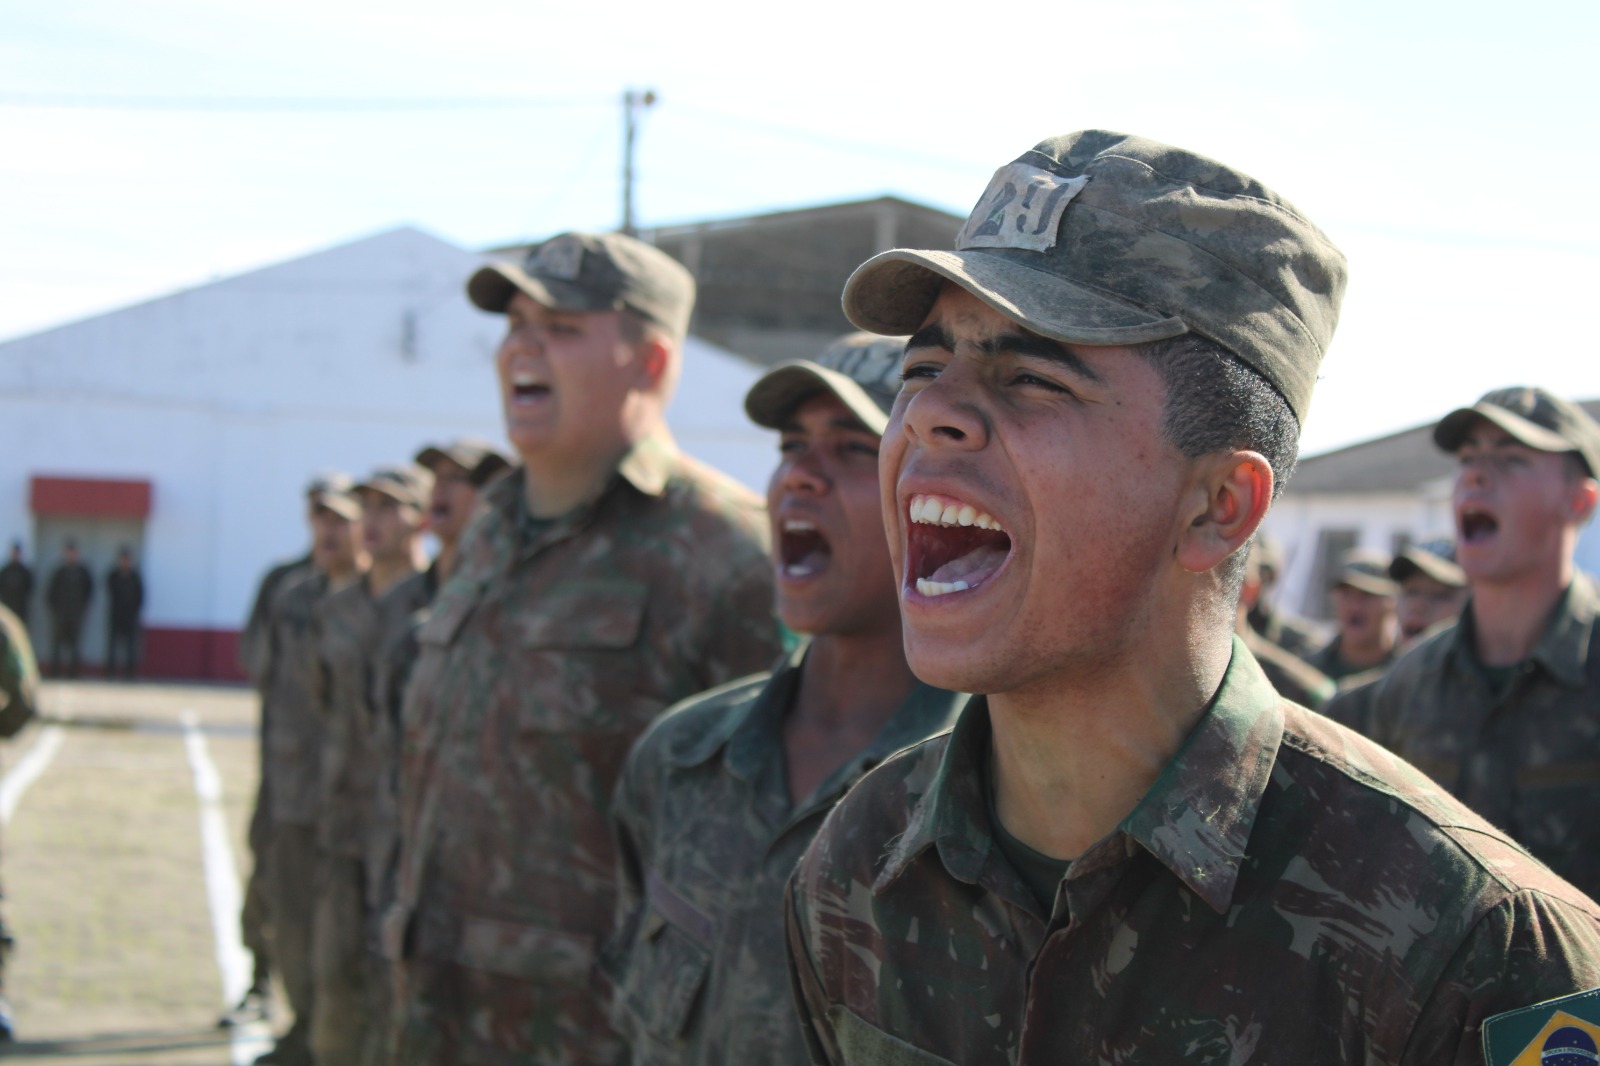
(1132, 849)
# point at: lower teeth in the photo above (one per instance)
(929, 587)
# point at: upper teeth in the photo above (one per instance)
(937, 511)
(521, 380)
(797, 525)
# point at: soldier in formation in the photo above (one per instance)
(723, 793)
(293, 734)
(350, 625)
(608, 577)
(1363, 597)
(19, 704)
(1131, 849)
(1503, 710)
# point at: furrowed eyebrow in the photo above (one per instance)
(1015, 342)
(1037, 347)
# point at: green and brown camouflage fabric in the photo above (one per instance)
(707, 838)
(1286, 892)
(1294, 635)
(542, 661)
(1330, 662)
(19, 675)
(400, 613)
(346, 623)
(1528, 758)
(1293, 678)
(292, 727)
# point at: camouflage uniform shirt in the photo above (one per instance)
(1286, 892)
(1527, 758)
(707, 839)
(542, 661)
(292, 725)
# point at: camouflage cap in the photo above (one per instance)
(593, 272)
(342, 502)
(1534, 417)
(329, 481)
(861, 369)
(1101, 238)
(1432, 558)
(408, 484)
(1365, 570)
(489, 467)
(465, 452)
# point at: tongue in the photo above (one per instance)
(973, 567)
(811, 562)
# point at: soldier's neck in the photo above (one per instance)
(1074, 753)
(386, 573)
(850, 686)
(1509, 617)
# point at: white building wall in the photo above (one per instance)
(228, 398)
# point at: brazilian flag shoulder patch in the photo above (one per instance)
(1557, 1032)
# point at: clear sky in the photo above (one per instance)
(1450, 148)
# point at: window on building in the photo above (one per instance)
(1331, 545)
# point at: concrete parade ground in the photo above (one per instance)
(123, 861)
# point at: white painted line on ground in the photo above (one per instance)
(222, 891)
(28, 770)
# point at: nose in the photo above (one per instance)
(944, 412)
(1474, 472)
(802, 473)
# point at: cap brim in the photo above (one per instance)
(1441, 570)
(493, 286)
(343, 506)
(394, 492)
(786, 386)
(1377, 586)
(893, 291)
(1453, 427)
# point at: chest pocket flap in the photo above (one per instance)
(585, 614)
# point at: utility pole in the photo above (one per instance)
(633, 104)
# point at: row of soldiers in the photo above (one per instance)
(567, 798)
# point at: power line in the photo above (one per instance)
(297, 104)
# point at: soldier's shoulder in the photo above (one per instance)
(1382, 807)
(699, 720)
(860, 835)
(700, 489)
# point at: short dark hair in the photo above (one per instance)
(1215, 402)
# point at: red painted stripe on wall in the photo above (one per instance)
(191, 654)
(81, 497)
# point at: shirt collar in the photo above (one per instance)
(1563, 650)
(1195, 819)
(749, 734)
(648, 465)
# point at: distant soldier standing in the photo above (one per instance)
(609, 577)
(719, 798)
(1364, 606)
(1131, 850)
(293, 734)
(71, 589)
(349, 624)
(16, 584)
(125, 591)
(1504, 709)
(255, 658)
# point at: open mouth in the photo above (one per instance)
(1477, 526)
(951, 546)
(525, 388)
(802, 549)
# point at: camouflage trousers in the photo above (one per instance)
(458, 1016)
(288, 887)
(342, 969)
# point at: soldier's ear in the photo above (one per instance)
(1586, 492)
(653, 359)
(1228, 498)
